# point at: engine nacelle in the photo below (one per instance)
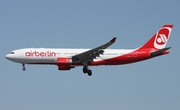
(64, 61)
(64, 67)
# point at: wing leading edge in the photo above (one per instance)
(89, 55)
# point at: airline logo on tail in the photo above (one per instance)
(162, 37)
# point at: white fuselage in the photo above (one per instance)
(50, 55)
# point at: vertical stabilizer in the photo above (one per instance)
(159, 40)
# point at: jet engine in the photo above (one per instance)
(64, 63)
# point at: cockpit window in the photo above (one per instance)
(11, 52)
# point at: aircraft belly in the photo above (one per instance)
(38, 61)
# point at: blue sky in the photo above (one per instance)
(147, 85)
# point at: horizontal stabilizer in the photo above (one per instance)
(159, 52)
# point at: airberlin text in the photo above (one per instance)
(40, 54)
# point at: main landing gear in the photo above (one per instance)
(86, 70)
(23, 68)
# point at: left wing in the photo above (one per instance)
(89, 55)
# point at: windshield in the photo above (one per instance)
(11, 52)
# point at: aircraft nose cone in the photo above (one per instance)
(11, 57)
(7, 56)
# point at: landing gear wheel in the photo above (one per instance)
(24, 69)
(89, 72)
(85, 70)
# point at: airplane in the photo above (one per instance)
(66, 59)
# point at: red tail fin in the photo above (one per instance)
(159, 40)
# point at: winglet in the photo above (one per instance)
(113, 40)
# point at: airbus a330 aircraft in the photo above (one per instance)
(67, 59)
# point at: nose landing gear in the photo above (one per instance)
(23, 68)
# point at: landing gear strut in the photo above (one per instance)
(24, 68)
(86, 70)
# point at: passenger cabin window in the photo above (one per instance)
(11, 52)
